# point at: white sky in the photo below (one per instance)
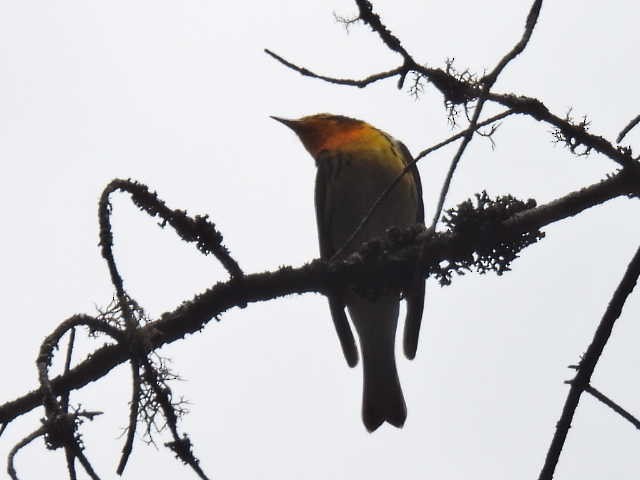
(177, 95)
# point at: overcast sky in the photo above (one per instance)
(177, 94)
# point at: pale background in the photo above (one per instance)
(177, 95)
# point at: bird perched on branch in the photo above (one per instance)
(355, 163)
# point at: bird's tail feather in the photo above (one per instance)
(382, 398)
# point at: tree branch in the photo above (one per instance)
(11, 469)
(337, 81)
(613, 405)
(461, 91)
(630, 126)
(316, 276)
(588, 365)
(532, 19)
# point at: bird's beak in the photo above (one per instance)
(292, 124)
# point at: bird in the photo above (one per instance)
(355, 163)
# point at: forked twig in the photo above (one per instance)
(487, 83)
(588, 364)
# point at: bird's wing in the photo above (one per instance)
(324, 214)
(406, 159)
(414, 294)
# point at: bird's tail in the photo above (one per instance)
(382, 398)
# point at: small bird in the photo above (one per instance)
(355, 163)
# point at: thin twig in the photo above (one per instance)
(70, 457)
(21, 444)
(532, 19)
(613, 405)
(462, 133)
(64, 403)
(106, 248)
(337, 81)
(628, 128)
(538, 111)
(134, 409)
(487, 83)
(124, 302)
(181, 446)
(588, 365)
(84, 461)
(199, 229)
(456, 158)
(49, 344)
(368, 16)
(64, 400)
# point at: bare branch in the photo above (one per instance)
(71, 463)
(134, 409)
(84, 461)
(473, 125)
(460, 91)
(532, 19)
(316, 276)
(181, 446)
(487, 83)
(337, 81)
(11, 470)
(367, 15)
(462, 133)
(45, 355)
(573, 203)
(628, 128)
(64, 401)
(613, 405)
(198, 229)
(457, 91)
(61, 426)
(209, 240)
(46, 429)
(588, 364)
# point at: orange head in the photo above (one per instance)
(324, 131)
